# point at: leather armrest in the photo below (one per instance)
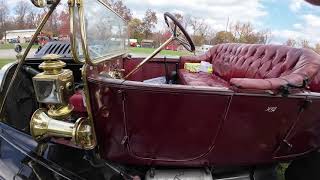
(268, 84)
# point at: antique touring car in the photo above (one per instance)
(86, 109)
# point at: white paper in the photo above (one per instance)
(205, 66)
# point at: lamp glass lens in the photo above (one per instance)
(47, 92)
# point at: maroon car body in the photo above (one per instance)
(257, 109)
(180, 125)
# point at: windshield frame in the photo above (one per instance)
(79, 6)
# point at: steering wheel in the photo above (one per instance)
(178, 34)
(178, 30)
(314, 2)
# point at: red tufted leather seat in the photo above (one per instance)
(202, 79)
(261, 67)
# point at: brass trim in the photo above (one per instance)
(72, 15)
(62, 112)
(52, 64)
(43, 126)
(26, 52)
(40, 125)
(83, 32)
(107, 58)
(88, 101)
(84, 43)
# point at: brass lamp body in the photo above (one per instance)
(54, 87)
(62, 88)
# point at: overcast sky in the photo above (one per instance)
(285, 18)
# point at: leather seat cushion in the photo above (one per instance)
(201, 79)
(263, 67)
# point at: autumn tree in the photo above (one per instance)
(64, 23)
(122, 10)
(119, 7)
(136, 29)
(52, 25)
(245, 33)
(149, 22)
(223, 37)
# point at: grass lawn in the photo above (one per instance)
(147, 51)
(11, 46)
(5, 61)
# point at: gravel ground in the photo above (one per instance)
(11, 54)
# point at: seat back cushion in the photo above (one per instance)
(258, 61)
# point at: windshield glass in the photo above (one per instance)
(106, 31)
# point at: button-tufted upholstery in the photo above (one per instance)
(202, 79)
(262, 67)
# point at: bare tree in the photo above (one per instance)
(195, 23)
(186, 21)
(4, 12)
(32, 19)
(22, 8)
(317, 48)
(291, 42)
(201, 30)
(108, 2)
(179, 17)
(304, 43)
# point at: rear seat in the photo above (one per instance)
(261, 67)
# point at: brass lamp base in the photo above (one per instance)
(42, 126)
(61, 112)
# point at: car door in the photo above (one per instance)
(304, 134)
(172, 122)
(255, 126)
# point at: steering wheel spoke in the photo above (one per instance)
(184, 43)
(177, 30)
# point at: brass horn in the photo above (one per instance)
(42, 126)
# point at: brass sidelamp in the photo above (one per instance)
(53, 88)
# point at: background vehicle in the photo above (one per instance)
(92, 115)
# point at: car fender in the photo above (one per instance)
(19, 157)
(4, 72)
